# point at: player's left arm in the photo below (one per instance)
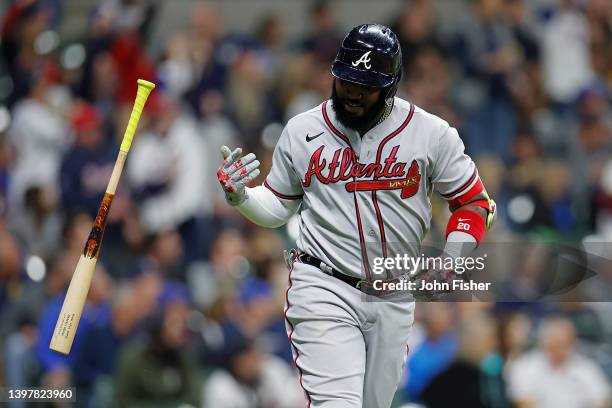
(277, 200)
(456, 178)
(258, 204)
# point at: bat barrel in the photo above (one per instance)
(72, 308)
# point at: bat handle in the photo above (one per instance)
(144, 89)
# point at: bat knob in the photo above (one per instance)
(146, 84)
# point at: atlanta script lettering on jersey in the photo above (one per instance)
(343, 167)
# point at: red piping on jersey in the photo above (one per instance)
(364, 252)
(381, 225)
(463, 187)
(281, 195)
(394, 133)
(289, 284)
(333, 128)
(466, 197)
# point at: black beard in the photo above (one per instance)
(350, 121)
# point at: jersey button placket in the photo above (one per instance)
(363, 152)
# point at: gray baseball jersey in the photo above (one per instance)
(367, 197)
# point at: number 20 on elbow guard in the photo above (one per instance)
(463, 226)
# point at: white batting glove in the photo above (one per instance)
(235, 173)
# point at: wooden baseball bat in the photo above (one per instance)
(68, 319)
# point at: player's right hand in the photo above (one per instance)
(235, 173)
(430, 276)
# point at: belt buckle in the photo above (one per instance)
(326, 269)
(367, 288)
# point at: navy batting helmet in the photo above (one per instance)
(370, 55)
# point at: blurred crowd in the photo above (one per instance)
(186, 304)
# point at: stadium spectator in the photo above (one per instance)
(428, 83)
(565, 53)
(437, 350)
(598, 14)
(216, 278)
(22, 22)
(251, 379)
(474, 379)
(415, 28)
(93, 351)
(256, 314)
(555, 375)
(166, 172)
(176, 71)
(514, 330)
(87, 166)
(271, 42)
(250, 103)
(489, 54)
(164, 255)
(29, 307)
(21, 366)
(39, 223)
(39, 134)
(313, 79)
(323, 37)
(157, 370)
(210, 51)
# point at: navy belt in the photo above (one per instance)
(359, 284)
(319, 264)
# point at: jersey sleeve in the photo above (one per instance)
(454, 173)
(283, 179)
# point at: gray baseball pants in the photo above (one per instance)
(350, 353)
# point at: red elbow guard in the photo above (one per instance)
(469, 222)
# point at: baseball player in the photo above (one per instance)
(359, 170)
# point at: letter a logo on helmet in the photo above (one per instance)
(374, 47)
(365, 60)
